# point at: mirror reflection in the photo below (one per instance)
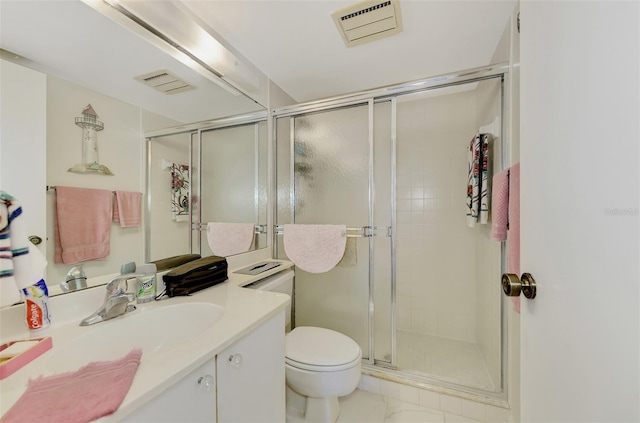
(69, 56)
(218, 180)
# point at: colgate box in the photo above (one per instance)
(16, 354)
(36, 300)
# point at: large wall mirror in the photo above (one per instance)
(86, 58)
(217, 171)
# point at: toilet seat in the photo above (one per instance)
(320, 349)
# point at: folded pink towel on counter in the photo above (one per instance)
(82, 224)
(91, 392)
(127, 206)
(227, 239)
(500, 206)
(315, 248)
(513, 235)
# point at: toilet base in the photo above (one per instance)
(309, 409)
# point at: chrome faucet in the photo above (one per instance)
(117, 300)
(76, 279)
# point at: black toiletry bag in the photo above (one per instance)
(195, 275)
(174, 261)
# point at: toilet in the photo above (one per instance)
(320, 364)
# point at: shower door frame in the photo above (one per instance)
(195, 132)
(370, 98)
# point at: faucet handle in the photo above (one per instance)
(119, 284)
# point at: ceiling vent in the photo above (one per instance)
(165, 82)
(368, 21)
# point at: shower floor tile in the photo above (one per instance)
(451, 360)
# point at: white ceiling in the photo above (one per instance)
(297, 44)
(293, 42)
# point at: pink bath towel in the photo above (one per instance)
(82, 224)
(127, 207)
(500, 206)
(91, 392)
(227, 239)
(315, 248)
(514, 226)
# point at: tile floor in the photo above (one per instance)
(367, 407)
(455, 361)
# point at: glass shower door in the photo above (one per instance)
(328, 159)
(331, 186)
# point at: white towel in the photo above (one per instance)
(315, 248)
(227, 239)
(20, 264)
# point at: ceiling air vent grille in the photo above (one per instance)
(368, 21)
(165, 82)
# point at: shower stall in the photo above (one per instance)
(417, 287)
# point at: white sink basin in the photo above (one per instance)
(155, 331)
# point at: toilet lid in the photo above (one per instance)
(312, 346)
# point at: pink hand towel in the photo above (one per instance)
(127, 207)
(315, 248)
(513, 235)
(82, 224)
(91, 392)
(500, 206)
(227, 239)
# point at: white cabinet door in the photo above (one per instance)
(580, 73)
(251, 380)
(190, 400)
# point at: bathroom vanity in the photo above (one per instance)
(215, 356)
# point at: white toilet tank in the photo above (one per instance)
(280, 282)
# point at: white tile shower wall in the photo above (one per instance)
(488, 312)
(436, 254)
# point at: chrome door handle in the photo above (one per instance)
(512, 286)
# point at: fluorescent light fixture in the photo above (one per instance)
(168, 26)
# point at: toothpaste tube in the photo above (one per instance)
(36, 300)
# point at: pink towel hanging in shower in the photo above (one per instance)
(500, 206)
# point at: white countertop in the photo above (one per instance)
(244, 310)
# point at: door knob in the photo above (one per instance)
(512, 286)
(35, 239)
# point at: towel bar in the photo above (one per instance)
(53, 188)
(260, 229)
(363, 232)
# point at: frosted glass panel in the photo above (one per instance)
(331, 177)
(233, 178)
(331, 167)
